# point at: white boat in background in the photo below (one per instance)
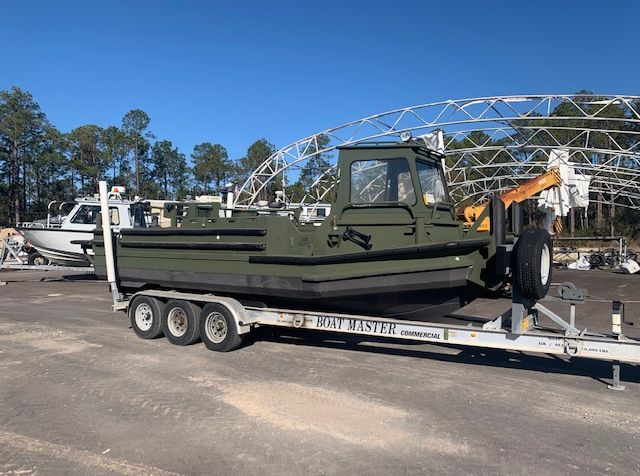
(65, 241)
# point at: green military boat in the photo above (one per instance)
(391, 245)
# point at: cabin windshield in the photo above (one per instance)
(432, 184)
(383, 180)
(88, 215)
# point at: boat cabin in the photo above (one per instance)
(123, 213)
(390, 175)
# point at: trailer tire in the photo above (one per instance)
(145, 314)
(218, 328)
(180, 322)
(36, 259)
(533, 263)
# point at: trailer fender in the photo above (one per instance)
(238, 311)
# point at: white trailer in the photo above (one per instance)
(222, 323)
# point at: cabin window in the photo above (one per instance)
(137, 213)
(88, 215)
(115, 216)
(432, 183)
(379, 181)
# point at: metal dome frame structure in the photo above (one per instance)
(491, 144)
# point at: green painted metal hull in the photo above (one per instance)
(417, 281)
(389, 258)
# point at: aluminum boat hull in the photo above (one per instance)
(60, 246)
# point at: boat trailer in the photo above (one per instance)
(521, 333)
(518, 329)
(12, 258)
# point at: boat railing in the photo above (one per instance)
(31, 224)
(34, 224)
(61, 214)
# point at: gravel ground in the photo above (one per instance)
(80, 394)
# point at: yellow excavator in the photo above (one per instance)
(549, 179)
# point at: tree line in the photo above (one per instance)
(39, 163)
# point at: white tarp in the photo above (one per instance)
(581, 264)
(574, 191)
(433, 140)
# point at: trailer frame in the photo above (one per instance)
(496, 334)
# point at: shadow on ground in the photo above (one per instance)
(29, 276)
(544, 363)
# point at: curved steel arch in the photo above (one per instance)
(491, 144)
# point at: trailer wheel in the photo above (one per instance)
(145, 313)
(532, 263)
(218, 328)
(36, 259)
(180, 322)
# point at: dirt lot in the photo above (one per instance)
(81, 394)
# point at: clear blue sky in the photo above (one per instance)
(232, 72)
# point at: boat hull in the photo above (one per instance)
(385, 263)
(61, 247)
(420, 295)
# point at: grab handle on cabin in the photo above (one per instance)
(358, 238)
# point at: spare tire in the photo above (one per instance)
(532, 263)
